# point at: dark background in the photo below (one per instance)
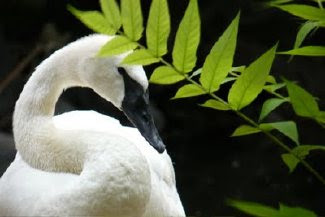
(210, 166)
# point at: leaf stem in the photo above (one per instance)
(276, 94)
(320, 5)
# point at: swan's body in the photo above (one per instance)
(84, 163)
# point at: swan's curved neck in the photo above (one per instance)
(41, 144)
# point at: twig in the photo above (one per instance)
(20, 67)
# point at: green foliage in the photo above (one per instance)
(259, 210)
(304, 30)
(189, 90)
(274, 87)
(132, 19)
(303, 103)
(244, 130)
(315, 18)
(158, 27)
(288, 128)
(187, 39)
(251, 82)
(117, 45)
(217, 69)
(94, 20)
(306, 51)
(165, 75)
(112, 13)
(302, 152)
(140, 57)
(304, 11)
(269, 105)
(219, 62)
(214, 104)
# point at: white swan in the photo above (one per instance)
(82, 162)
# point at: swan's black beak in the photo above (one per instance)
(142, 119)
(135, 105)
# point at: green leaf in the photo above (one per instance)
(321, 117)
(303, 103)
(304, 11)
(304, 30)
(259, 210)
(140, 57)
(251, 82)
(187, 39)
(273, 3)
(214, 104)
(219, 61)
(291, 161)
(158, 27)
(288, 128)
(189, 90)
(306, 51)
(165, 75)
(295, 211)
(254, 209)
(94, 20)
(132, 19)
(274, 87)
(270, 79)
(245, 130)
(117, 45)
(269, 105)
(301, 151)
(112, 13)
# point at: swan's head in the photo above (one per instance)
(127, 88)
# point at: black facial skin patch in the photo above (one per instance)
(136, 107)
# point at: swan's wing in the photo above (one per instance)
(23, 187)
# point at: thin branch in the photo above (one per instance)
(19, 68)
